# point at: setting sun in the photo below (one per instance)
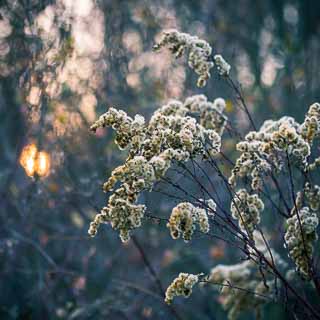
(34, 162)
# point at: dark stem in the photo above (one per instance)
(154, 275)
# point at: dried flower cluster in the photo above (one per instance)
(128, 130)
(171, 135)
(222, 65)
(246, 209)
(181, 286)
(312, 194)
(210, 113)
(199, 51)
(184, 218)
(179, 131)
(268, 149)
(311, 126)
(242, 287)
(300, 237)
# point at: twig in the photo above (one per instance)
(153, 274)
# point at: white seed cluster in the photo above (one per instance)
(253, 286)
(126, 128)
(246, 209)
(312, 194)
(314, 165)
(199, 53)
(171, 135)
(184, 218)
(288, 139)
(222, 65)
(249, 164)
(266, 148)
(262, 241)
(246, 277)
(181, 286)
(311, 126)
(211, 113)
(237, 272)
(210, 207)
(300, 236)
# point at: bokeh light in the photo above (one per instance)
(34, 162)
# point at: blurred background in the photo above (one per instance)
(62, 63)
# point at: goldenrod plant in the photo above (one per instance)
(192, 132)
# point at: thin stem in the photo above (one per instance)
(153, 274)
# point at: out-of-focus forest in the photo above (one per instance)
(62, 63)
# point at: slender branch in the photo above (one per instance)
(153, 274)
(240, 97)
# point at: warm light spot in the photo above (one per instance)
(133, 80)
(27, 159)
(217, 251)
(42, 163)
(87, 106)
(270, 70)
(34, 96)
(35, 162)
(132, 41)
(168, 257)
(30, 166)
